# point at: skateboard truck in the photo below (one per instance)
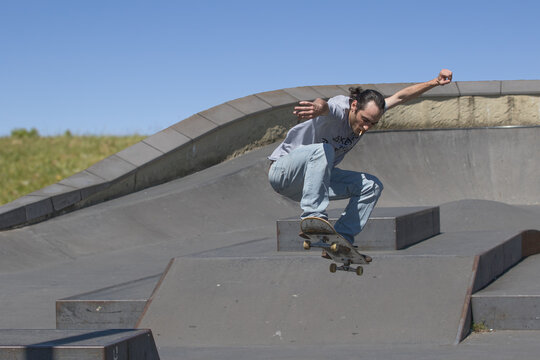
(346, 267)
(335, 248)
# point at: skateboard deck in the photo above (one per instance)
(321, 234)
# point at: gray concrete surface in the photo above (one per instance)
(502, 345)
(229, 209)
(80, 345)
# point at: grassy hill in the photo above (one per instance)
(29, 162)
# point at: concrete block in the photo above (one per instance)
(194, 126)
(387, 229)
(167, 140)
(277, 98)
(37, 207)
(90, 191)
(62, 195)
(111, 168)
(77, 344)
(329, 91)
(413, 224)
(304, 93)
(479, 88)
(65, 200)
(139, 154)
(25, 209)
(520, 87)
(249, 104)
(11, 215)
(222, 114)
(82, 180)
(108, 190)
(52, 190)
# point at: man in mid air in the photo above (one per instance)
(303, 167)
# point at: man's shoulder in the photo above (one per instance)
(338, 106)
(339, 100)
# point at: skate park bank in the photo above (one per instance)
(98, 244)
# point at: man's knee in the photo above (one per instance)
(371, 184)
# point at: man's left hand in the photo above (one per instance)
(445, 77)
(308, 110)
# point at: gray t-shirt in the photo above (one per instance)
(333, 129)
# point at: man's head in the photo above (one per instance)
(366, 109)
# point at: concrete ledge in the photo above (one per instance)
(479, 88)
(512, 302)
(387, 229)
(304, 93)
(207, 138)
(488, 266)
(115, 307)
(520, 87)
(80, 345)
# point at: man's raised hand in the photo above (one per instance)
(445, 77)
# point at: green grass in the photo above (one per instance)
(29, 162)
(480, 327)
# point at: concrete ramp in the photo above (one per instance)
(295, 300)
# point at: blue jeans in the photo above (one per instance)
(307, 175)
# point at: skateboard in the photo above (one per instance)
(319, 233)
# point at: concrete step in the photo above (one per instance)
(115, 307)
(513, 301)
(80, 345)
(391, 228)
(420, 295)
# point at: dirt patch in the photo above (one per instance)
(271, 135)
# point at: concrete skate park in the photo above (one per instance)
(178, 248)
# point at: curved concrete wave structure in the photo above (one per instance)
(228, 291)
(208, 137)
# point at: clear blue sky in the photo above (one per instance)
(121, 67)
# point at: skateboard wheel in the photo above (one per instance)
(307, 245)
(334, 247)
(359, 271)
(333, 268)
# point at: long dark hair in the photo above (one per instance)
(365, 96)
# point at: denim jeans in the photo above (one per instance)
(307, 175)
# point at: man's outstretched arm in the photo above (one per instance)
(413, 91)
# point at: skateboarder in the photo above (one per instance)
(303, 167)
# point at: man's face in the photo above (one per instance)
(362, 120)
